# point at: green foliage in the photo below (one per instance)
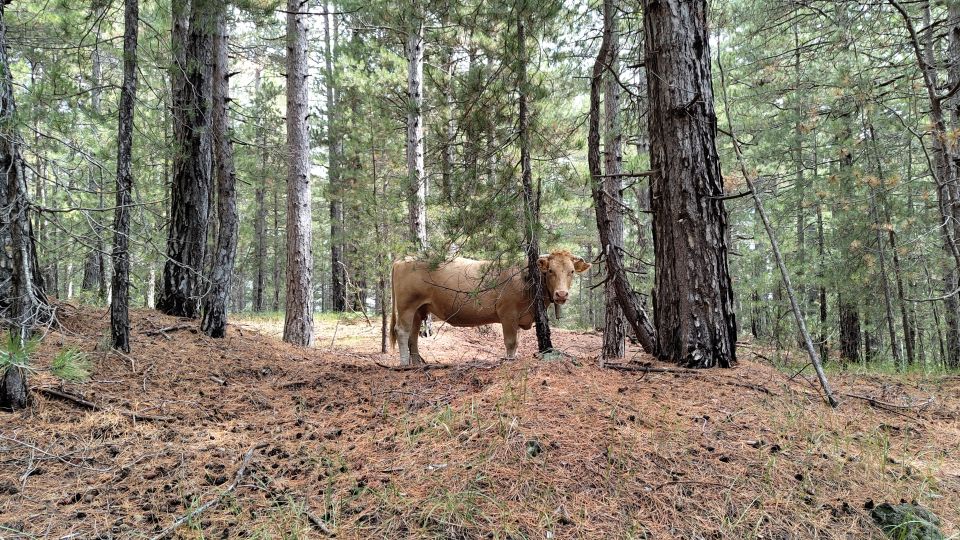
(16, 352)
(71, 365)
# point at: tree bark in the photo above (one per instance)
(531, 205)
(260, 198)
(416, 179)
(189, 196)
(338, 274)
(215, 302)
(120, 299)
(614, 330)
(849, 330)
(22, 300)
(298, 322)
(278, 255)
(693, 304)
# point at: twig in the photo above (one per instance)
(415, 367)
(892, 407)
(650, 369)
(127, 357)
(697, 482)
(319, 524)
(163, 331)
(216, 500)
(77, 400)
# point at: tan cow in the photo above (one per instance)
(467, 292)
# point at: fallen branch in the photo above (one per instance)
(777, 255)
(77, 400)
(415, 367)
(875, 401)
(216, 500)
(650, 369)
(174, 328)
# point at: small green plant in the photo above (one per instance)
(69, 364)
(16, 352)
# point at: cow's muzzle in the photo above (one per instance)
(560, 297)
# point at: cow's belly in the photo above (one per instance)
(464, 312)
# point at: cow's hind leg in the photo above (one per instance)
(404, 320)
(418, 318)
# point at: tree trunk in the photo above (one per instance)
(278, 255)
(416, 179)
(93, 271)
(298, 322)
(450, 131)
(260, 219)
(614, 330)
(215, 302)
(613, 257)
(22, 300)
(849, 331)
(338, 274)
(531, 205)
(189, 196)
(120, 300)
(693, 305)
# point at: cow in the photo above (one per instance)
(468, 292)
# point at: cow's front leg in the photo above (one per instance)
(510, 338)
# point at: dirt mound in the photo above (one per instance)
(527, 449)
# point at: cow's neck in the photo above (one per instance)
(528, 291)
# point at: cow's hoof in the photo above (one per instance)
(417, 360)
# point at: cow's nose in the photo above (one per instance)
(561, 296)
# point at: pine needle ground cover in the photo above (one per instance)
(479, 449)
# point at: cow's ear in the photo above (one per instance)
(544, 263)
(580, 265)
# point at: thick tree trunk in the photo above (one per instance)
(693, 304)
(416, 179)
(614, 329)
(298, 322)
(215, 302)
(22, 300)
(531, 203)
(189, 195)
(338, 274)
(120, 300)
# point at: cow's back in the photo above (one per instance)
(463, 292)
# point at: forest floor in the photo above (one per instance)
(475, 448)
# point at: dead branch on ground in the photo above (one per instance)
(77, 400)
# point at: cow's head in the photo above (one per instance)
(558, 269)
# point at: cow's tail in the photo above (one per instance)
(393, 310)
